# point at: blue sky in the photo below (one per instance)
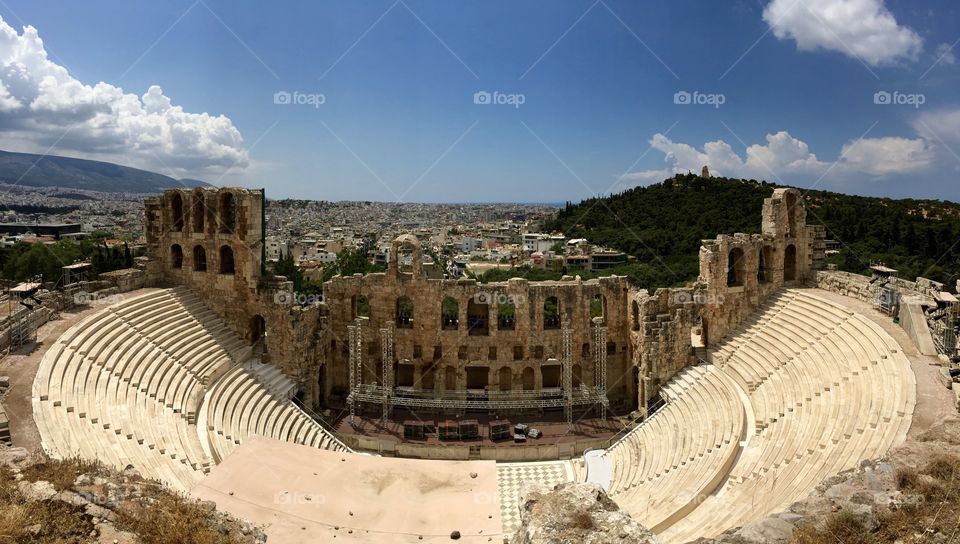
(188, 89)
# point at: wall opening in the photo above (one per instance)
(504, 378)
(551, 313)
(176, 209)
(736, 267)
(228, 213)
(764, 258)
(477, 377)
(791, 215)
(404, 375)
(404, 313)
(226, 260)
(478, 316)
(450, 379)
(576, 373)
(598, 307)
(361, 306)
(258, 328)
(790, 263)
(199, 259)
(449, 314)
(198, 211)
(635, 310)
(506, 316)
(551, 376)
(176, 256)
(527, 379)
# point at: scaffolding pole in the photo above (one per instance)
(386, 346)
(355, 334)
(568, 374)
(600, 365)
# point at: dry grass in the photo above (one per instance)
(43, 522)
(63, 473)
(930, 504)
(164, 518)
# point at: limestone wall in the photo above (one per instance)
(438, 354)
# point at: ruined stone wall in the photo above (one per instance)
(511, 359)
(192, 237)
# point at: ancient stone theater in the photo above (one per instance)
(404, 407)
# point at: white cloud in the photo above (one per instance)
(42, 105)
(863, 29)
(784, 157)
(946, 54)
(886, 156)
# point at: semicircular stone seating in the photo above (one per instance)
(817, 389)
(127, 386)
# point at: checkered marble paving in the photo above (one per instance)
(510, 478)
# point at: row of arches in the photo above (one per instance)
(227, 265)
(479, 378)
(226, 212)
(478, 313)
(737, 265)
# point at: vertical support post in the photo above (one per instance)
(568, 374)
(600, 366)
(386, 351)
(356, 363)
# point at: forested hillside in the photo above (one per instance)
(663, 224)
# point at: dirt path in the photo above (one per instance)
(21, 366)
(934, 401)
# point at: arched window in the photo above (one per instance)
(635, 310)
(226, 260)
(449, 314)
(551, 313)
(199, 211)
(736, 267)
(506, 316)
(199, 259)
(404, 313)
(504, 378)
(598, 307)
(790, 263)
(527, 379)
(258, 328)
(228, 213)
(176, 207)
(478, 317)
(361, 306)
(176, 256)
(764, 258)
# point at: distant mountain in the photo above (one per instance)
(191, 183)
(28, 169)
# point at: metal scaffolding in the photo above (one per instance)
(355, 334)
(600, 364)
(386, 348)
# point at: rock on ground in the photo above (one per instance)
(575, 513)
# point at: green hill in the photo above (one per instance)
(662, 226)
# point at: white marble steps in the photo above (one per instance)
(819, 388)
(272, 378)
(127, 386)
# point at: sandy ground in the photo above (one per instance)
(21, 366)
(303, 494)
(934, 401)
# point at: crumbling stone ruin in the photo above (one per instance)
(450, 336)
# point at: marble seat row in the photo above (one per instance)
(664, 467)
(827, 388)
(127, 385)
